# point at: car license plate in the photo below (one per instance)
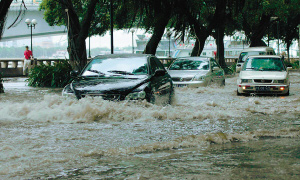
(262, 88)
(180, 85)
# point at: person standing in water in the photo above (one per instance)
(27, 60)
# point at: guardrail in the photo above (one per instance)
(13, 67)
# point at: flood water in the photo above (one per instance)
(208, 133)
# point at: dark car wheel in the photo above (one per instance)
(151, 98)
(237, 93)
(287, 94)
(223, 83)
(171, 97)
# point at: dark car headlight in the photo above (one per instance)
(68, 91)
(136, 95)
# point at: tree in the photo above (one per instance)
(154, 16)
(4, 6)
(288, 22)
(82, 18)
(204, 17)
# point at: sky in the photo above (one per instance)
(122, 38)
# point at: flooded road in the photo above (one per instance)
(208, 133)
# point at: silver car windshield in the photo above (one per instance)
(263, 64)
(185, 64)
(244, 55)
(120, 66)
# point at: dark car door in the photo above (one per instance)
(160, 85)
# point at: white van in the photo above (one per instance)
(252, 51)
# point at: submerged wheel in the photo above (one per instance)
(223, 83)
(152, 98)
(171, 97)
(237, 93)
(287, 93)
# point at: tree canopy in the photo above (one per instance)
(194, 18)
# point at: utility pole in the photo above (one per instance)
(299, 44)
(111, 27)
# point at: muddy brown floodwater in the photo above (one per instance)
(208, 133)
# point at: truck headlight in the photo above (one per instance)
(136, 95)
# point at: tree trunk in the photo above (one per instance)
(4, 6)
(78, 32)
(200, 43)
(196, 48)
(220, 46)
(158, 32)
(220, 18)
(258, 34)
(201, 33)
(288, 44)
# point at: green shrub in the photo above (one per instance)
(229, 70)
(1, 84)
(50, 76)
(295, 64)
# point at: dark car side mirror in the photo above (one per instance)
(159, 72)
(74, 73)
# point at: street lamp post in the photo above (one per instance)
(132, 31)
(278, 38)
(272, 20)
(89, 46)
(169, 37)
(31, 24)
(111, 27)
(299, 44)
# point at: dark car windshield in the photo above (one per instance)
(263, 64)
(185, 64)
(120, 66)
(244, 55)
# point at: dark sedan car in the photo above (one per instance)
(123, 77)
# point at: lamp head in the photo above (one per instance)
(34, 22)
(27, 21)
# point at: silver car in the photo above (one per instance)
(196, 72)
(252, 51)
(264, 75)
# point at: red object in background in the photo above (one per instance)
(28, 54)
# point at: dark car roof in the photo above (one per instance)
(121, 56)
(196, 58)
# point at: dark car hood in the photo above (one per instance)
(111, 85)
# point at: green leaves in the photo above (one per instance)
(57, 75)
(54, 14)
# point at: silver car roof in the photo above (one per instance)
(262, 48)
(195, 58)
(265, 56)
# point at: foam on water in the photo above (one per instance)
(50, 133)
(198, 141)
(65, 110)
